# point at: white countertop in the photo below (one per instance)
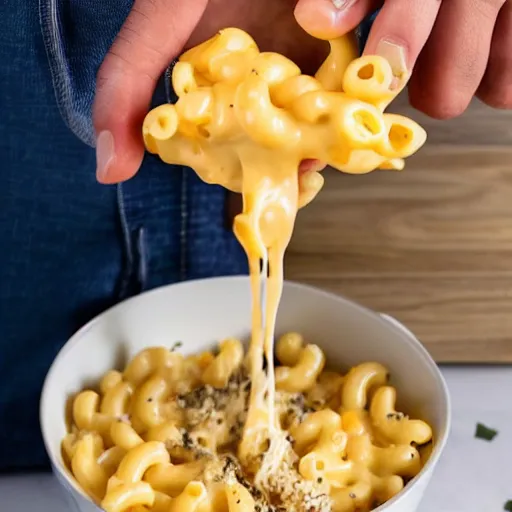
(473, 475)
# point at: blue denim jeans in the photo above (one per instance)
(69, 247)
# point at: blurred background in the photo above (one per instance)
(431, 245)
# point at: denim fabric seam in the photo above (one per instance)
(128, 249)
(49, 21)
(143, 257)
(184, 224)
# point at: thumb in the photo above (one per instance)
(328, 19)
(153, 34)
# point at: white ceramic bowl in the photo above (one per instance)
(200, 313)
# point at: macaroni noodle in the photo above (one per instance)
(218, 372)
(303, 374)
(358, 383)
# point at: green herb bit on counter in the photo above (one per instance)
(176, 345)
(508, 506)
(486, 433)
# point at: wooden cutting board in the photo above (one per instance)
(431, 245)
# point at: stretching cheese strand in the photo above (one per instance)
(245, 120)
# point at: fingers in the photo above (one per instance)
(151, 37)
(454, 60)
(496, 86)
(328, 19)
(400, 31)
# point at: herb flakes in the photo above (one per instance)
(485, 433)
(176, 345)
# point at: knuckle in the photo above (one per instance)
(135, 39)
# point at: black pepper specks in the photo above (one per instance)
(186, 439)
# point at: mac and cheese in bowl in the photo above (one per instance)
(153, 426)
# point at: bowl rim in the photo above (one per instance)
(387, 321)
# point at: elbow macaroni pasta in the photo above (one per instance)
(350, 445)
(306, 364)
(219, 371)
(358, 383)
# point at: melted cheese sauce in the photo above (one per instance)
(245, 120)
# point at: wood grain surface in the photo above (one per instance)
(431, 245)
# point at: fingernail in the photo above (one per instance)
(320, 18)
(105, 154)
(395, 54)
(343, 4)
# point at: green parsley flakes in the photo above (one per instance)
(176, 345)
(485, 433)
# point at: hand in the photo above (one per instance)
(458, 48)
(155, 32)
